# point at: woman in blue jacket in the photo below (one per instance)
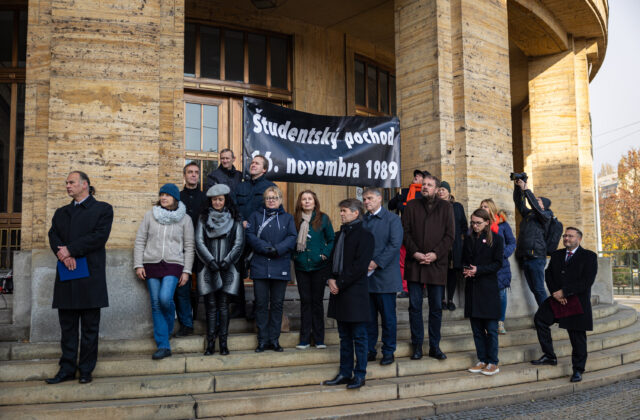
(313, 248)
(271, 234)
(501, 227)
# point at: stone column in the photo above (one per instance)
(560, 150)
(452, 66)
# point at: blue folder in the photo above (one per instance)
(81, 271)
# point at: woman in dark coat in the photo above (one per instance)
(454, 273)
(219, 242)
(271, 233)
(482, 259)
(313, 248)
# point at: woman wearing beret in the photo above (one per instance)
(163, 256)
(219, 244)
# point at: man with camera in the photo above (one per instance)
(531, 248)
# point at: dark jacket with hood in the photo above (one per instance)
(248, 195)
(230, 177)
(535, 221)
(279, 233)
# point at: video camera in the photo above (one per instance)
(519, 175)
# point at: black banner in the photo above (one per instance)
(317, 149)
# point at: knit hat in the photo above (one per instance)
(445, 185)
(218, 189)
(172, 190)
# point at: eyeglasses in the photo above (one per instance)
(476, 223)
(272, 198)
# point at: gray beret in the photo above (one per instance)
(218, 189)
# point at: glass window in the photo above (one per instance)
(22, 39)
(279, 54)
(190, 49)
(209, 52)
(257, 59)
(209, 128)
(234, 55)
(17, 181)
(384, 92)
(6, 37)
(192, 127)
(372, 88)
(360, 83)
(5, 143)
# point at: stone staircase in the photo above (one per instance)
(128, 384)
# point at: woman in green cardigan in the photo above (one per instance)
(313, 248)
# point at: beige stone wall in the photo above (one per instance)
(104, 95)
(452, 63)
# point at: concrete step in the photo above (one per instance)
(6, 316)
(10, 332)
(165, 373)
(172, 396)
(454, 333)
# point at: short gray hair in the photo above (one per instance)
(373, 190)
(352, 204)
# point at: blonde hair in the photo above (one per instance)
(277, 191)
(493, 209)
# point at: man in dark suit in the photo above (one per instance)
(571, 272)
(80, 229)
(349, 300)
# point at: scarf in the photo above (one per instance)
(494, 226)
(169, 217)
(338, 253)
(218, 223)
(301, 243)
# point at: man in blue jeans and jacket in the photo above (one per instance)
(384, 274)
(531, 249)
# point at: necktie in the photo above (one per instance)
(569, 255)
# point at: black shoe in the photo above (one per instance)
(60, 377)
(211, 346)
(161, 354)
(85, 378)
(277, 347)
(417, 352)
(356, 383)
(261, 347)
(184, 331)
(338, 380)
(545, 360)
(387, 359)
(576, 377)
(224, 350)
(402, 295)
(437, 354)
(451, 306)
(371, 356)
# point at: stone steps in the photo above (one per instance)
(455, 333)
(398, 397)
(184, 375)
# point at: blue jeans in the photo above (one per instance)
(485, 337)
(385, 304)
(269, 298)
(435, 294)
(534, 273)
(162, 308)
(182, 300)
(503, 303)
(353, 336)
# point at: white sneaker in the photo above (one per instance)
(302, 346)
(321, 346)
(490, 370)
(477, 368)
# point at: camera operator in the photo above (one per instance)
(531, 249)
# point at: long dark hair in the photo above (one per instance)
(484, 215)
(228, 204)
(297, 213)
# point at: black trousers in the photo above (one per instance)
(72, 323)
(269, 298)
(311, 287)
(453, 274)
(543, 320)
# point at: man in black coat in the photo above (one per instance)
(570, 275)
(80, 230)
(349, 300)
(226, 173)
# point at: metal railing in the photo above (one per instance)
(625, 267)
(9, 242)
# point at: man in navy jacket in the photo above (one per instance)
(384, 274)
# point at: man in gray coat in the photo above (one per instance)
(384, 274)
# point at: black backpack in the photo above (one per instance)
(553, 234)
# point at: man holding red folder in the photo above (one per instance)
(78, 234)
(569, 277)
